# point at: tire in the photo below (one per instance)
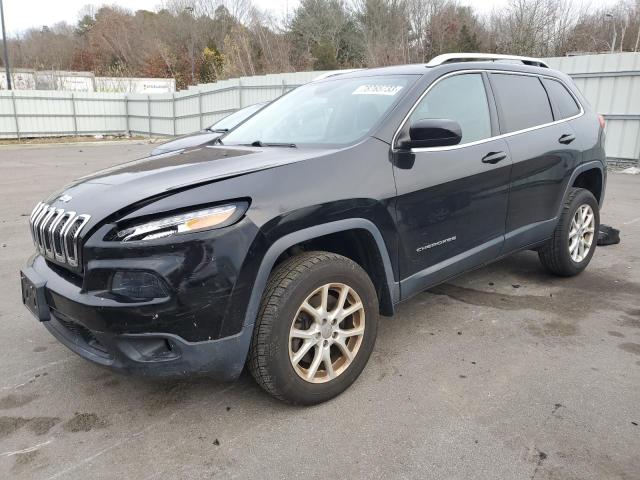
(272, 356)
(555, 255)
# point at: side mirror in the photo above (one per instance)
(431, 132)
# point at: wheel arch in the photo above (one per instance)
(590, 179)
(597, 168)
(390, 289)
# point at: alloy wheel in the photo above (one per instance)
(326, 333)
(581, 233)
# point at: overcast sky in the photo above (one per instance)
(23, 14)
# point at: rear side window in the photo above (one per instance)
(461, 98)
(561, 99)
(522, 101)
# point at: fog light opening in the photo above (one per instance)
(137, 285)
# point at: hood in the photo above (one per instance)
(187, 141)
(108, 191)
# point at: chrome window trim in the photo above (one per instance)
(575, 99)
(488, 139)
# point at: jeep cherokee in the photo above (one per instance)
(281, 245)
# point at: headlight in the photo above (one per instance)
(183, 223)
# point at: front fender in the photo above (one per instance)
(282, 244)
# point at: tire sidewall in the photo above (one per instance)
(281, 371)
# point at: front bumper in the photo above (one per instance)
(139, 338)
(154, 354)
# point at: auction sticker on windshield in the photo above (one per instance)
(377, 90)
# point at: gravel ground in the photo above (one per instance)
(503, 373)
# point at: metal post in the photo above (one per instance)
(239, 93)
(6, 50)
(73, 111)
(149, 113)
(173, 112)
(126, 113)
(284, 86)
(15, 113)
(200, 109)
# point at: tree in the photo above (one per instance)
(208, 40)
(324, 35)
(212, 65)
(468, 40)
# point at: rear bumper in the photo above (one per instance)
(154, 354)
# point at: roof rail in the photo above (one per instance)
(333, 73)
(466, 57)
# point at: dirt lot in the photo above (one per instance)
(504, 373)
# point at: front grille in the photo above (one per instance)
(55, 232)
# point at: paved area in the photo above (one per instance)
(504, 373)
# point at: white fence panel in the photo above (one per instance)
(610, 82)
(100, 113)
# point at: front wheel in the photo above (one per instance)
(573, 243)
(316, 328)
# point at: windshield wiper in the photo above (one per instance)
(218, 130)
(258, 143)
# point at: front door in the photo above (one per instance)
(452, 201)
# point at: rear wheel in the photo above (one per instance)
(316, 328)
(573, 243)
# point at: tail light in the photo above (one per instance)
(601, 120)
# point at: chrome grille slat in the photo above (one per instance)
(34, 214)
(56, 232)
(35, 211)
(36, 224)
(55, 220)
(71, 236)
(42, 226)
(58, 238)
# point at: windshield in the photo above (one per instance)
(331, 112)
(230, 121)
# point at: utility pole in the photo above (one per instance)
(191, 45)
(4, 44)
(615, 30)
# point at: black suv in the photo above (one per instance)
(280, 246)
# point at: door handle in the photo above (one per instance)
(567, 138)
(494, 157)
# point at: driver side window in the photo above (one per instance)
(461, 98)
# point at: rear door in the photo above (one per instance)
(452, 201)
(543, 157)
